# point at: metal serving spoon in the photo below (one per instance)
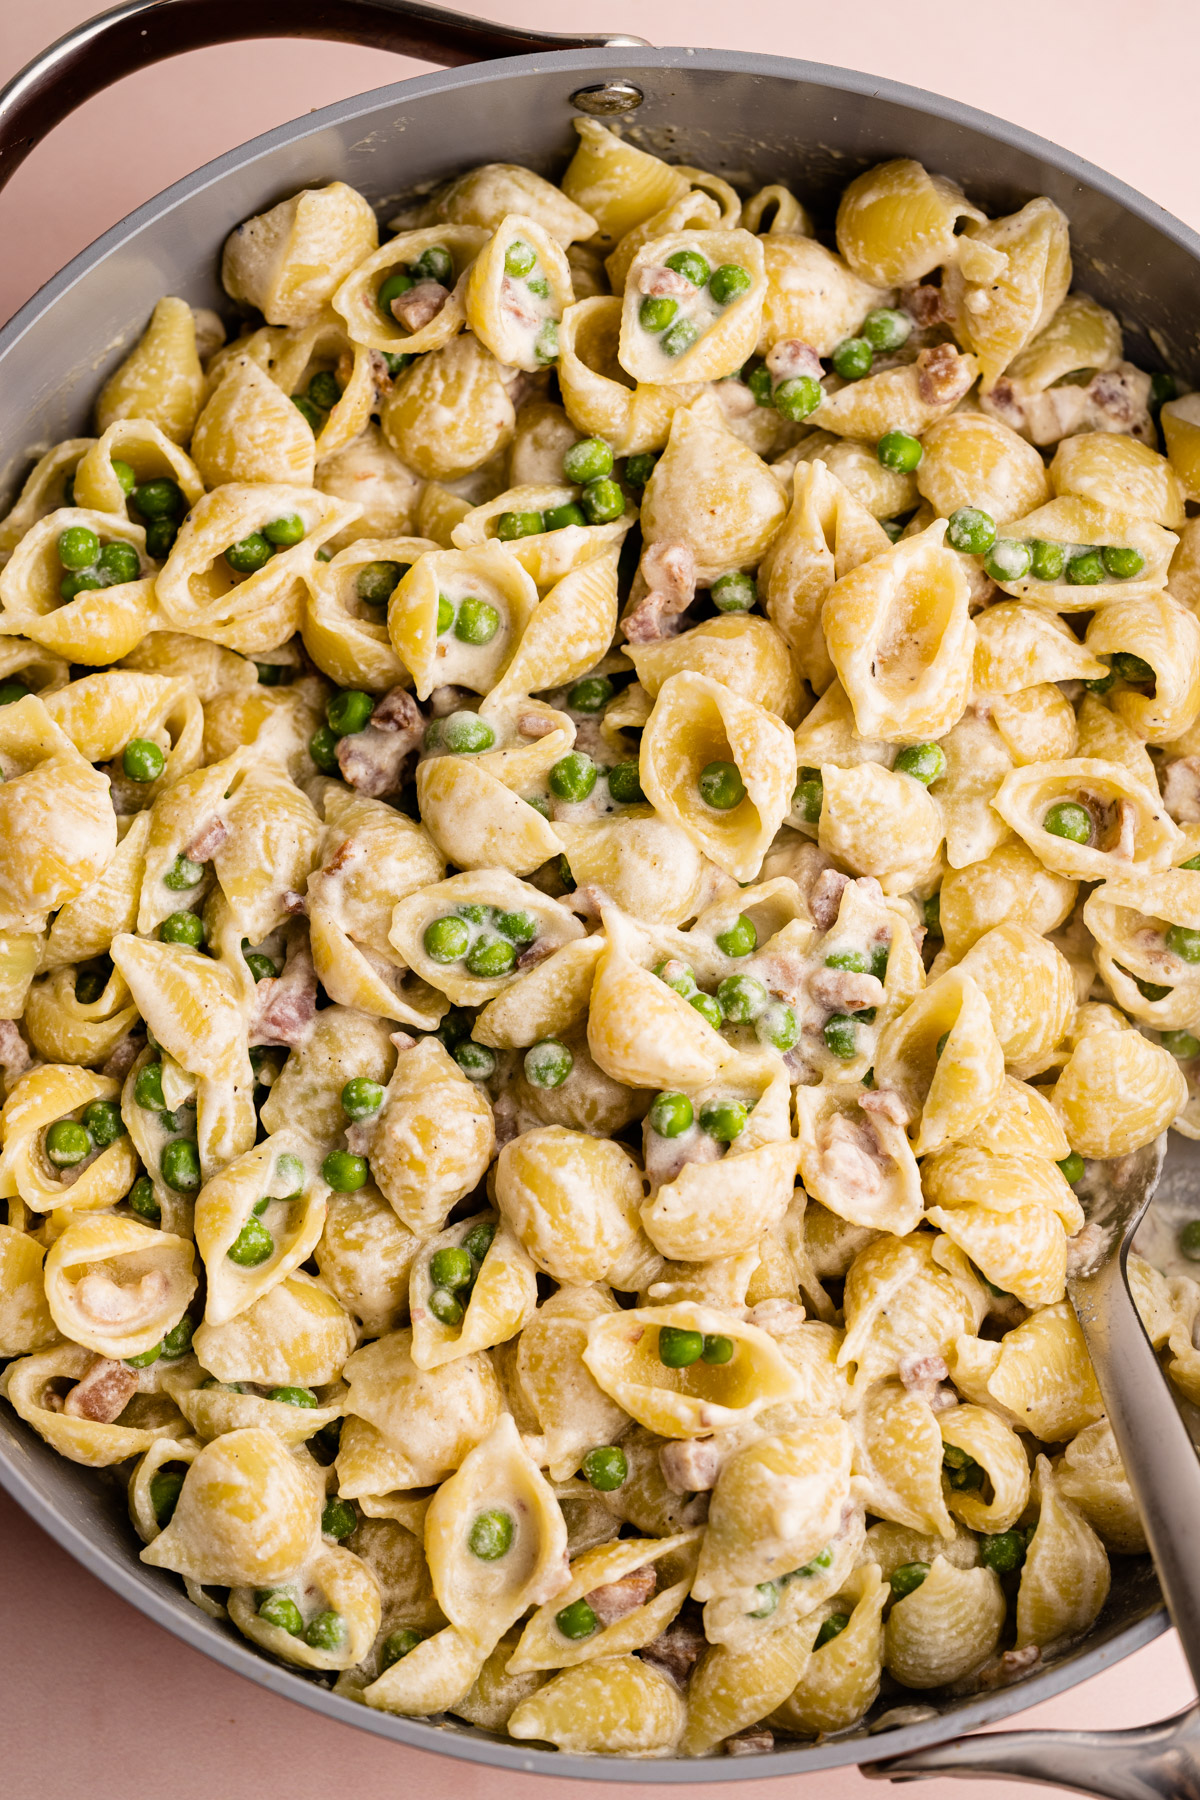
(1164, 1472)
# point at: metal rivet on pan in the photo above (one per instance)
(607, 99)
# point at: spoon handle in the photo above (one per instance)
(1156, 1448)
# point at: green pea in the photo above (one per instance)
(1189, 1240)
(625, 784)
(545, 346)
(312, 416)
(126, 475)
(1123, 561)
(323, 391)
(591, 695)
(181, 1165)
(249, 554)
(537, 284)
(606, 1468)
(145, 1359)
(376, 582)
(160, 538)
(446, 939)
(926, 763)
(671, 1115)
(271, 674)
(322, 747)
(548, 1063)
(961, 1469)
(741, 938)
(326, 1632)
(446, 1307)
(361, 1097)
(588, 460)
(344, 1172)
(721, 786)
(855, 962)
(393, 287)
(451, 1267)
(602, 500)
(518, 927)
(1003, 1551)
(261, 967)
(102, 1119)
(822, 1560)
(1008, 560)
(677, 975)
(734, 593)
(931, 912)
(797, 397)
(519, 258)
(758, 380)
(558, 518)
(852, 358)
(908, 1578)
(290, 1174)
(178, 1340)
(709, 1008)
(768, 1600)
(348, 711)
(1046, 560)
(899, 450)
(434, 264)
(723, 1119)
(466, 734)
(941, 1044)
(397, 1645)
(182, 928)
(183, 874)
(717, 1349)
(656, 312)
(142, 1202)
(728, 282)
(576, 1620)
(293, 1396)
(777, 1026)
(1184, 942)
(445, 615)
(338, 1517)
(809, 796)
(476, 621)
(148, 1088)
(78, 547)
(572, 777)
(1180, 1043)
(71, 585)
(491, 1534)
(396, 365)
(691, 264)
(478, 1240)
(513, 525)
(971, 530)
(1086, 569)
(841, 1037)
(161, 499)
(680, 337)
(1193, 862)
(1067, 819)
(489, 958)
(11, 691)
(166, 1485)
(253, 1245)
(1133, 669)
(118, 563)
(91, 982)
(280, 1609)
(679, 1349)
(886, 328)
(639, 468)
(831, 1628)
(68, 1143)
(742, 998)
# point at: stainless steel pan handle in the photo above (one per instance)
(116, 43)
(1150, 1762)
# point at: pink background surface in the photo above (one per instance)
(96, 1699)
